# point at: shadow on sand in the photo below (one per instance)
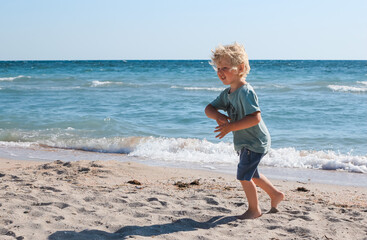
(181, 225)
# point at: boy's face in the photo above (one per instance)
(226, 72)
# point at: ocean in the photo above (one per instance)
(153, 112)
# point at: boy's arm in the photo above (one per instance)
(213, 113)
(246, 122)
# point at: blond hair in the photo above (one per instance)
(235, 53)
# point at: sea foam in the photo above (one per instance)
(362, 82)
(104, 83)
(342, 88)
(203, 151)
(199, 88)
(199, 151)
(13, 78)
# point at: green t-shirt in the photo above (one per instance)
(238, 104)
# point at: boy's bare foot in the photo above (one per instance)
(276, 199)
(250, 215)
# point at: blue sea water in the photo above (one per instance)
(316, 112)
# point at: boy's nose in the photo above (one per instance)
(220, 74)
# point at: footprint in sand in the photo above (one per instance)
(16, 178)
(41, 204)
(58, 218)
(89, 199)
(293, 212)
(211, 201)
(36, 214)
(5, 222)
(273, 227)
(141, 215)
(306, 218)
(180, 213)
(163, 203)
(220, 209)
(27, 197)
(61, 205)
(238, 204)
(300, 231)
(332, 219)
(137, 204)
(6, 232)
(50, 189)
(119, 200)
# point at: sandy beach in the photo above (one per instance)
(126, 200)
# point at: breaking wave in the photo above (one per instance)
(188, 150)
(104, 83)
(14, 78)
(199, 88)
(361, 87)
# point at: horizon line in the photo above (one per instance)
(259, 59)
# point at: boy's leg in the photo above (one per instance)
(275, 195)
(254, 210)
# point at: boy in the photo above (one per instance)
(250, 136)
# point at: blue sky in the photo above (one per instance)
(181, 29)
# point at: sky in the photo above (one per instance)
(181, 29)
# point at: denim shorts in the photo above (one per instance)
(247, 167)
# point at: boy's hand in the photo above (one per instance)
(223, 130)
(222, 119)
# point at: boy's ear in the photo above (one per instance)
(241, 67)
